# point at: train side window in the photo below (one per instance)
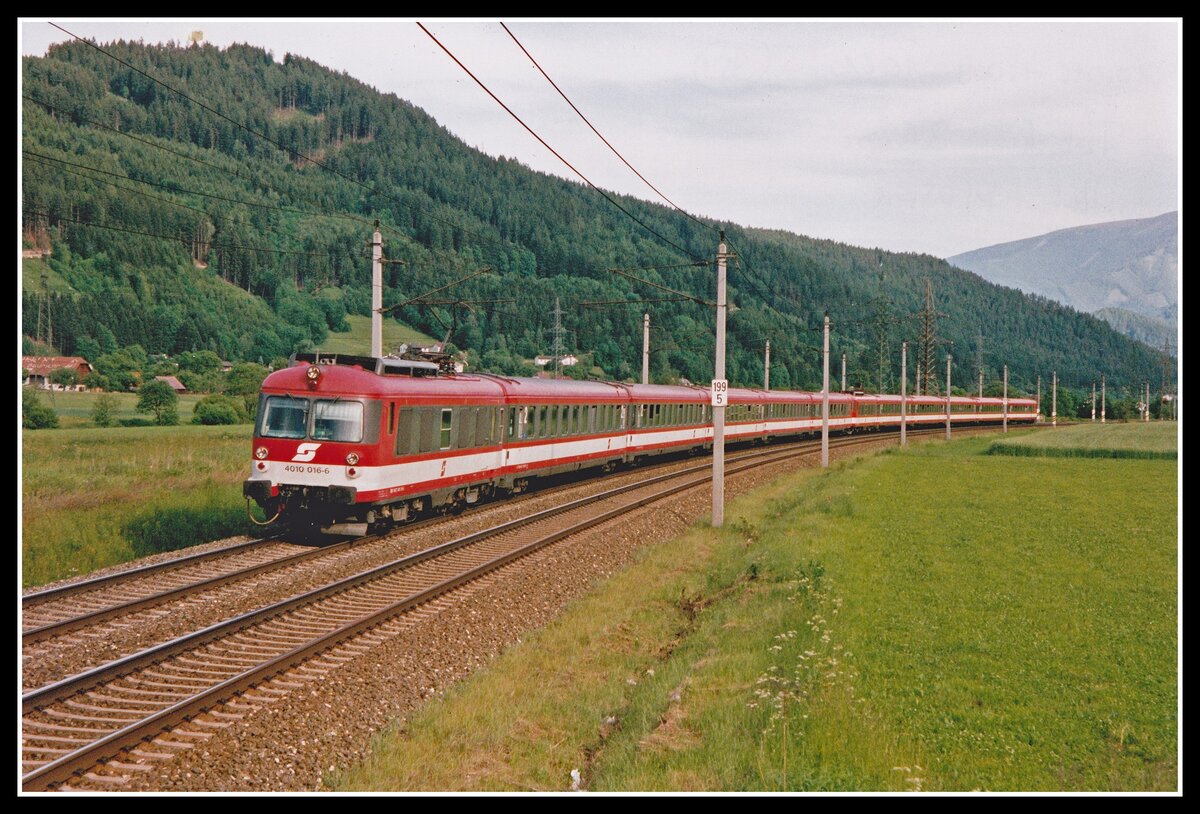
(467, 417)
(391, 418)
(484, 420)
(427, 437)
(447, 427)
(542, 429)
(404, 432)
(512, 424)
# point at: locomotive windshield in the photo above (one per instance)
(337, 421)
(332, 420)
(285, 417)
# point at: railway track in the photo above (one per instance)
(49, 613)
(74, 724)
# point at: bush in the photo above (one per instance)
(34, 414)
(104, 411)
(157, 397)
(218, 409)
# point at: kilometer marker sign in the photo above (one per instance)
(720, 392)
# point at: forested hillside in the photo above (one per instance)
(241, 225)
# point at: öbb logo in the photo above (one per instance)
(306, 452)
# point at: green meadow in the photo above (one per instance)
(1151, 439)
(75, 408)
(928, 620)
(96, 497)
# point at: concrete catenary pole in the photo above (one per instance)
(1103, 398)
(376, 293)
(917, 383)
(767, 366)
(645, 349)
(981, 384)
(1147, 401)
(1093, 401)
(947, 397)
(904, 393)
(843, 373)
(718, 493)
(825, 401)
(1054, 401)
(1005, 406)
(1038, 412)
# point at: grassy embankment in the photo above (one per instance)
(890, 625)
(1153, 439)
(96, 497)
(358, 339)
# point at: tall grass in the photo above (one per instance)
(1146, 441)
(96, 497)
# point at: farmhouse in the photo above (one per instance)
(40, 368)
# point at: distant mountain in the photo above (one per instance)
(1129, 264)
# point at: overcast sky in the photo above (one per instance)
(937, 137)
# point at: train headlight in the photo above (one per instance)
(260, 453)
(312, 374)
(352, 458)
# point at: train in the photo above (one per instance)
(349, 445)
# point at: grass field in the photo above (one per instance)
(75, 409)
(95, 497)
(1153, 439)
(358, 339)
(888, 626)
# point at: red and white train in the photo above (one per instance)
(351, 443)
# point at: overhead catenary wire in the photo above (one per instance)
(556, 154)
(749, 274)
(607, 143)
(661, 287)
(451, 284)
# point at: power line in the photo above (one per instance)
(598, 134)
(766, 297)
(617, 153)
(556, 154)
